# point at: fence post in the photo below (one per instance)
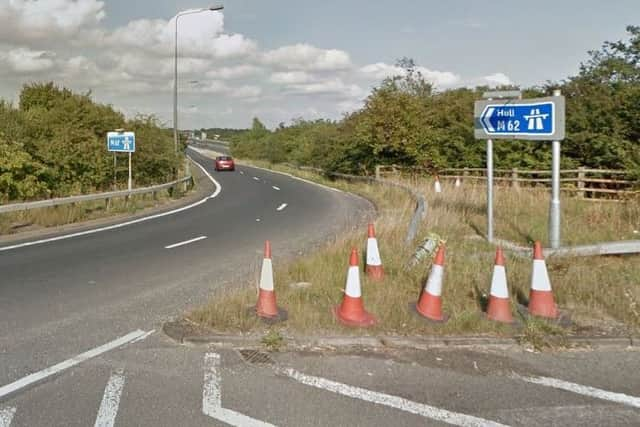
(581, 176)
(378, 172)
(514, 178)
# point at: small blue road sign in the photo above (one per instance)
(124, 142)
(534, 119)
(526, 119)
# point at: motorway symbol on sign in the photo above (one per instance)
(538, 119)
(121, 141)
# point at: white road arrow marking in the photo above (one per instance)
(486, 119)
(583, 390)
(110, 401)
(212, 397)
(6, 416)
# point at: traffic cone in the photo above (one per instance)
(437, 186)
(541, 301)
(266, 306)
(351, 312)
(430, 301)
(499, 308)
(458, 183)
(374, 263)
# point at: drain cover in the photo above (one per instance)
(256, 357)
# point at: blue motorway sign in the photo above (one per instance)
(121, 141)
(540, 119)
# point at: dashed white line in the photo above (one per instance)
(396, 402)
(282, 207)
(110, 401)
(40, 375)
(256, 178)
(258, 220)
(582, 389)
(186, 242)
(241, 172)
(6, 416)
(212, 397)
(276, 188)
(122, 224)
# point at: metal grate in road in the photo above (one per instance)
(256, 357)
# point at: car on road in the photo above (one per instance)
(225, 163)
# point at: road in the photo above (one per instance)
(80, 342)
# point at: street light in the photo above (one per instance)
(175, 69)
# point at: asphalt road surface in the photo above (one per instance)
(80, 342)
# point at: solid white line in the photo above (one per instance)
(6, 416)
(212, 397)
(282, 207)
(40, 375)
(389, 400)
(143, 337)
(582, 389)
(122, 224)
(186, 242)
(276, 188)
(256, 178)
(110, 401)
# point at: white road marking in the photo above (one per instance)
(6, 416)
(258, 219)
(186, 242)
(47, 372)
(276, 188)
(241, 172)
(122, 224)
(212, 397)
(110, 401)
(396, 402)
(582, 389)
(282, 207)
(256, 178)
(143, 337)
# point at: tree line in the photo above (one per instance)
(53, 144)
(405, 121)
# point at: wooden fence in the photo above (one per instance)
(599, 184)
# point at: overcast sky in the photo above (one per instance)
(283, 59)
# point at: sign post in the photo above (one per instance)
(539, 119)
(122, 142)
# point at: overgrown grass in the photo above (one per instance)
(601, 293)
(15, 222)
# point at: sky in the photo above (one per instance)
(280, 60)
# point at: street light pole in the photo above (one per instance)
(175, 68)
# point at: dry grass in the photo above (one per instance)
(600, 293)
(15, 222)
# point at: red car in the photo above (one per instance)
(225, 163)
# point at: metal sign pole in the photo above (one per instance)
(129, 186)
(554, 208)
(490, 190)
(115, 165)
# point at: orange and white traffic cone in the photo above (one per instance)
(436, 185)
(541, 301)
(266, 306)
(499, 308)
(351, 312)
(374, 263)
(430, 301)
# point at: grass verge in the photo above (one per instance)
(600, 293)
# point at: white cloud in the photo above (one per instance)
(498, 79)
(305, 57)
(46, 21)
(246, 91)
(329, 87)
(22, 60)
(381, 70)
(234, 72)
(291, 77)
